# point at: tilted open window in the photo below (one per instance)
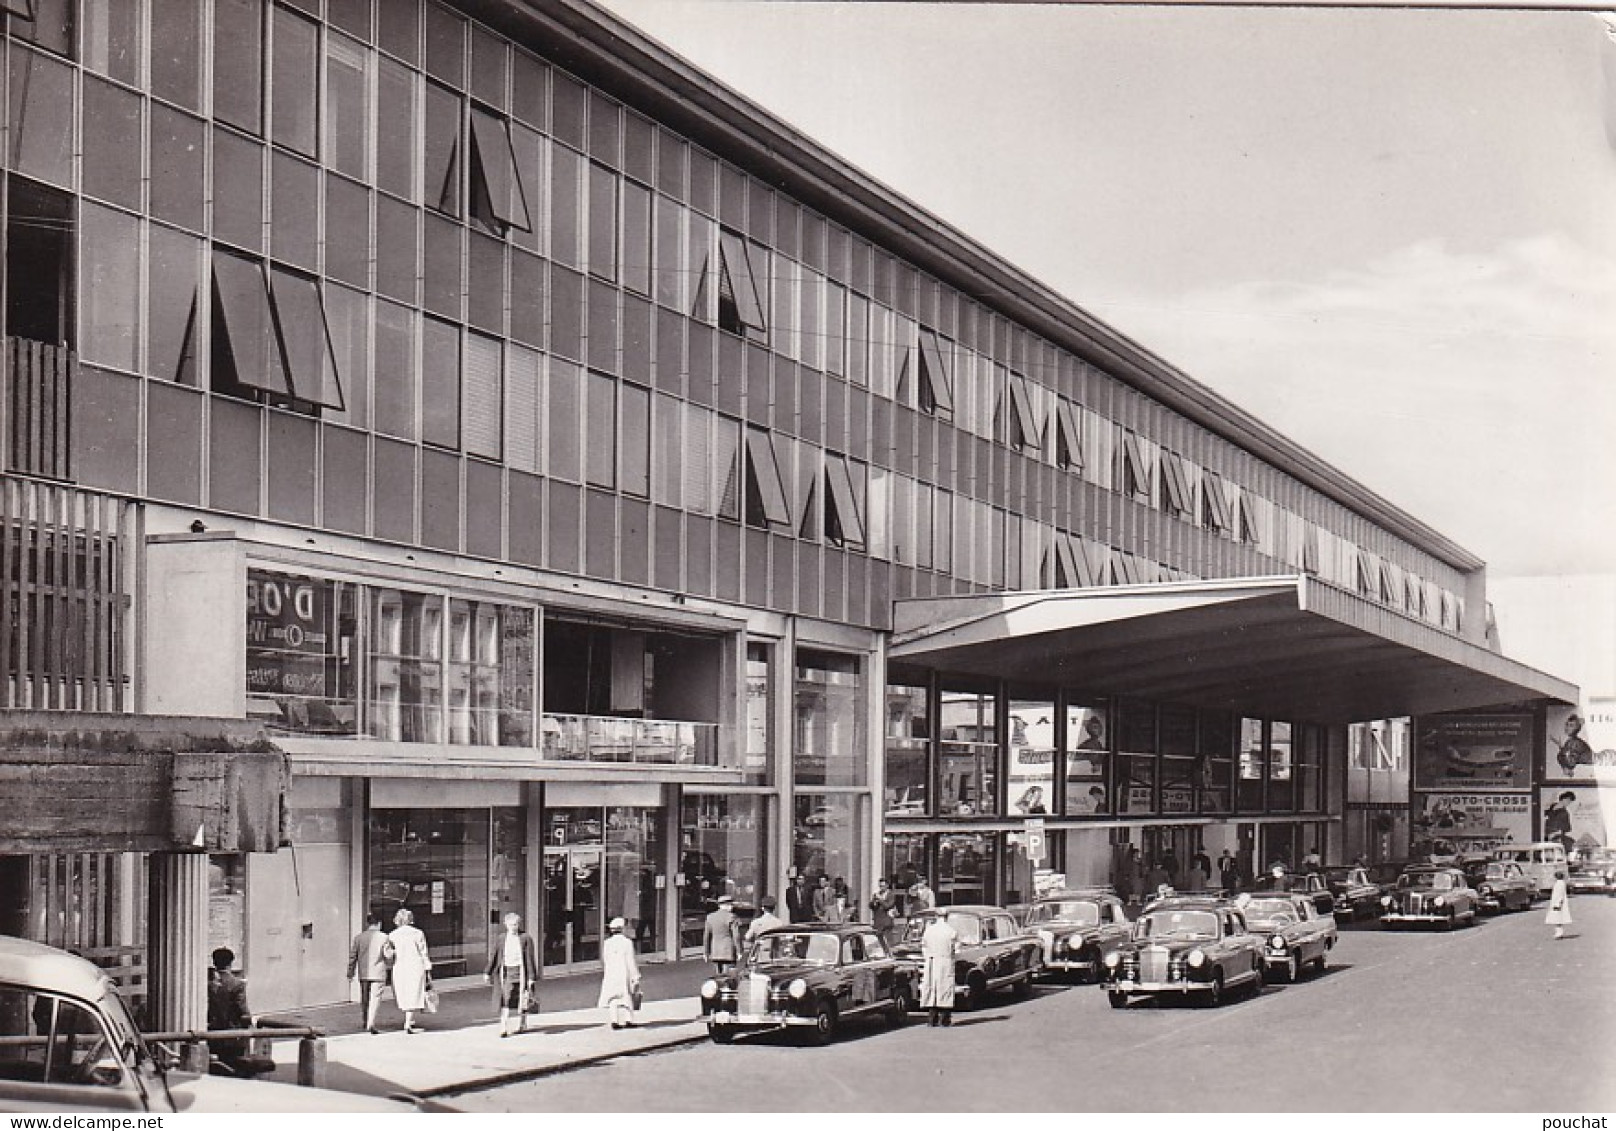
(1135, 470)
(765, 491)
(1020, 425)
(739, 306)
(1068, 437)
(1215, 504)
(844, 510)
(1368, 574)
(1175, 487)
(936, 376)
(497, 199)
(270, 334)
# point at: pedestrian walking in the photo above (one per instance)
(718, 943)
(370, 962)
(412, 967)
(1559, 916)
(619, 976)
(765, 919)
(513, 971)
(937, 946)
(883, 909)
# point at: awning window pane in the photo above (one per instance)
(1025, 417)
(1173, 482)
(938, 380)
(244, 327)
(767, 499)
(1215, 506)
(496, 165)
(846, 524)
(1069, 440)
(1066, 571)
(737, 272)
(310, 362)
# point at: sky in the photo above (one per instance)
(1390, 234)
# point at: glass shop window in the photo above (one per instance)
(968, 754)
(829, 747)
(302, 675)
(908, 762)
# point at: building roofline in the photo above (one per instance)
(613, 54)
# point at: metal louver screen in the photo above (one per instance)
(1153, 964)
(754, 995)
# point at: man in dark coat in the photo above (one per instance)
(227, 1007)
(799, 900)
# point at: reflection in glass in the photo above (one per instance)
(829, 742)
(908, 730)
(968, 755)
(405, 687)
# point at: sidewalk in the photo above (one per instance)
(462, 1049)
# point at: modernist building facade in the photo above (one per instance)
(607, 498)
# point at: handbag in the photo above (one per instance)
(529, 1002)
(636, 996)
(430, 1003)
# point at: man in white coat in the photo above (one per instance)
(412, 967)
(619, 976)
(937, 946)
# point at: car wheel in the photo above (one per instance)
(1293, 969)
(902, 1006)
(976, 990)
(721, 1034)
(1022, 989)
(1117, 998)
(824, 1024)
(1214, 994)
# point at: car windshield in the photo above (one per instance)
(1177, 925)
(1427, 881)
(1270, 910)
(797, 947)
(968, 927)
(1083, 912)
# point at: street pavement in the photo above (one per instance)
(1492, 1018)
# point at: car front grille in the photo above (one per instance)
(754, 995)
(1153, 964)
(1414, 904)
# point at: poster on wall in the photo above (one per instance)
(1472, 753)
(1580, 745)
(1578, 817)
(1461, 824)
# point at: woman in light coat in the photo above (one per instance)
(937, 946)
(1559, 906)
(412, 967)
(619, 976)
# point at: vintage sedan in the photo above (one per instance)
(1593, 870)
(1311, 884)
(69, 1043)
(1075, 928)
(1430, 893)
(1295, 934)
(1355, 894)
(1500, 885)
(1185, 945)
(810, 977)
(995, 952)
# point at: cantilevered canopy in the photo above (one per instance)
(1278, 646)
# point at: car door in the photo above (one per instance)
(882, 971)
(64, 1060)
(1114, 926)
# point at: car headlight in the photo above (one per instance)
(1277, 942)
(1112, 960)
(1440, 901)
(709, 988)
(1196, 958)
(1385, 901)
(1485, 890)
(798, 988)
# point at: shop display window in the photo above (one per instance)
(968, 754)
(301, 668)
(829, 739)
(967, 868)
(723, 850)
(908, 733)
(1281, 779)
(1215, 745)
(1253, 759)
(827, 836)
(1136, 784)
(1030, 782)
(1088, 743)
(757, 757)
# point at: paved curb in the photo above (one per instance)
(516, 1076)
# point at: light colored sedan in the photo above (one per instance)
(1296, 934)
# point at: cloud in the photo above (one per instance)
(1473, 389)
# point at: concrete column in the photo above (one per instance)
(177, 942)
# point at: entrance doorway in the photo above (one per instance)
(574, 912)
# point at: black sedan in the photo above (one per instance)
(1075, 928)
(1593, 870)
(810, 977)
(1185, 946)
(995, 952)
(1355, 894)
(1501, 885)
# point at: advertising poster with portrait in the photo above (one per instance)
(1459, 824)
(1581, 746)
(1579, 816)
(1473, 753)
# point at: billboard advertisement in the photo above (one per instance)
(1459, 824)
(1473, 753)
(1580, 745)
(1579, 816)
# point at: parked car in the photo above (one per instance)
(68, 1043)
(1429, 893)
(1185, 945)
(1075, 928)
(995, 952)
(811, 977)
(1540, 860)
(1310, 884)
(1500, 885)
(1295, 933)
(1593, 869)
(1354, 893)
